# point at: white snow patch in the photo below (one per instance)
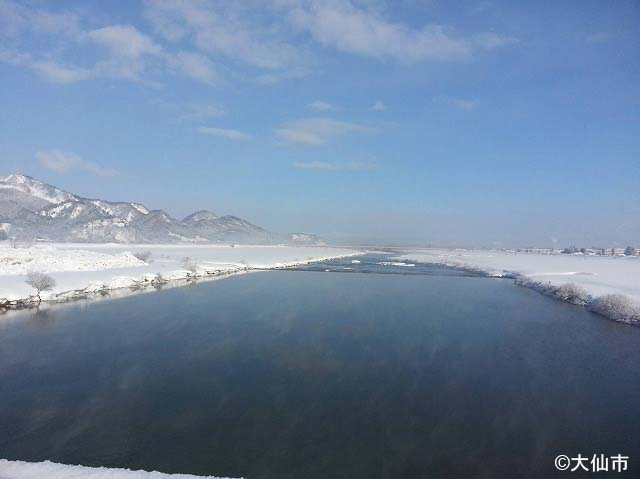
(186, 239)
(50, 259)
(86, 267)
(140, 208)
(52, 470)
(54, 212)
(598, 275)
(394, 263)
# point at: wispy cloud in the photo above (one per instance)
(115, 51)
(272, 40)
(316, 131)
(273, 77)
(49, 70)
(462, 104)
(57, 73)
(129, 52)
(225, 29)
(133, 53)
(63, 162)
(16, 18)
(125, 41)
(203, 112)
(224, 133)
(323, 165)
(351, 29)
(597, 37)
(482, 6)
(321, 106)
(379, 106)
(490, 41)
(192, 65)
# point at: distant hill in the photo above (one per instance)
(32, 209)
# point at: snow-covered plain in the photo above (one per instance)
(52, 470)
(597, 275)
(79, 269)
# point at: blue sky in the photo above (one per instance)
(454, 123)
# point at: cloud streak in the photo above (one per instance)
(224, 133)
(63, 162)
(203, 112)
(323, 165)
(317, 131)
(321, 106)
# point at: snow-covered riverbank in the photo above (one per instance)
(596, 278)
(81, 269)
(52, 470)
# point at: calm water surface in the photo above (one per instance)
(313, 374)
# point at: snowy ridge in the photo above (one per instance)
(52, 470)
(36, 188)
(33, 209)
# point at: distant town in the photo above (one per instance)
(592, 251)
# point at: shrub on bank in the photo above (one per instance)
(570, 292)
(616, 307)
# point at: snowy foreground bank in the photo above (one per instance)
(82, 269)
(52, 470)
(607, 285)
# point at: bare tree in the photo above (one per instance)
(40, 282)
(188, 264)
(158, 280)
(21, 242)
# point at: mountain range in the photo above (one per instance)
(32, 209)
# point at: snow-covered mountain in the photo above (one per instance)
(30, 208)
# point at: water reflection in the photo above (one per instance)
(300, 374)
